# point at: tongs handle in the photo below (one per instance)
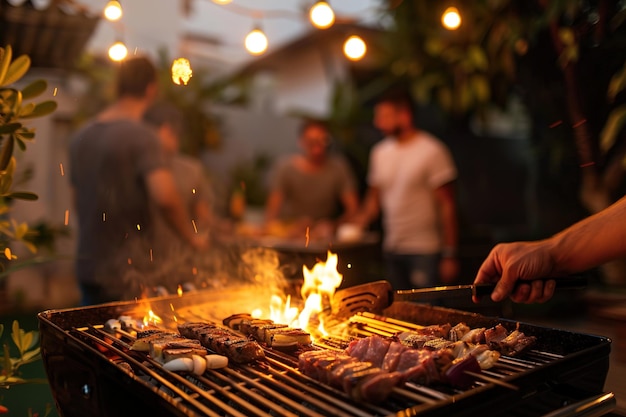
(572, 282)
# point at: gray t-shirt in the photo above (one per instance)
(316, 195)
(108, 164)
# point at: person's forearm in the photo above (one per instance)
(449, 221)
(370, 209)
(272, 207)
(590, 242)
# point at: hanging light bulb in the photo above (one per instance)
(451, 18)
(118, 51)
(354, 48)
(113, 10)
(181, 71)
(322, 15)
(256, 42)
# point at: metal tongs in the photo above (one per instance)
(375, 296)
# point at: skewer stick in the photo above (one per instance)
(405, 324)
(492, 380)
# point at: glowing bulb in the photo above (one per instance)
(322, 15)
(451, 19)
(256, 42)
(118, 51)
(354, 48)
(181, 71)
(113, 10)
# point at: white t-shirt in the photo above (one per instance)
(407, 175)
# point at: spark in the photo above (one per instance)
(555, 124)
(193, 191)
(306, 244)
(55, 91)
(104, 217)
(67, 217)
(130, 261)
(61, 168)
(194, 270)
(139, 227)
(151, 258)
(195, 229)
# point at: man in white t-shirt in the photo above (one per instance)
(410, 184)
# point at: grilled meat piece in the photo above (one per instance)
(272, 334)
(142, 344)
(360, 380)
(223, 341)
(511, 344)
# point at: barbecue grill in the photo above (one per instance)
(93, 373)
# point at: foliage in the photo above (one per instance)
(202, 127)
(248, 178)
(15, 108)
(27, 344)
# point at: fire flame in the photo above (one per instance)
(319, 286)
(151, 318)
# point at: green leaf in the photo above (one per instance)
(31, 355)
(7, 54)
(480, 88)
(9, 128)
(42, 109)
(24, 195)
(34, 89)
(7, 152)
(16, 70)
(478, 57)
(26, 110)
(612, 127)
(6, 360)
(617, 83)
(20, 142)
(23, 340)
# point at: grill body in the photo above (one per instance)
(86, 378)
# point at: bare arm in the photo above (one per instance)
(273, 205)
(447, 206)
(162, 190)
(370, 208)
(449, 266)
(350, 201)
(586, 244)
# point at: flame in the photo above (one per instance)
(151, 318)
(179, 290)
(319, 286)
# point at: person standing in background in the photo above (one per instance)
(315, 188)
(118, 168)
(173, 259)
(411, 186)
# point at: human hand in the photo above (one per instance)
(508, 263)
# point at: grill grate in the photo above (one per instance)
(88, 366)
(276, 387)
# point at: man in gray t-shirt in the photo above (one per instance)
(117, 169)
(313, 188)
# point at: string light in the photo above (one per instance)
(256, 42)
(113, 10)
(354, 48)
(118, 51)
(322, 15)
(451, 18)
(181, 71)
